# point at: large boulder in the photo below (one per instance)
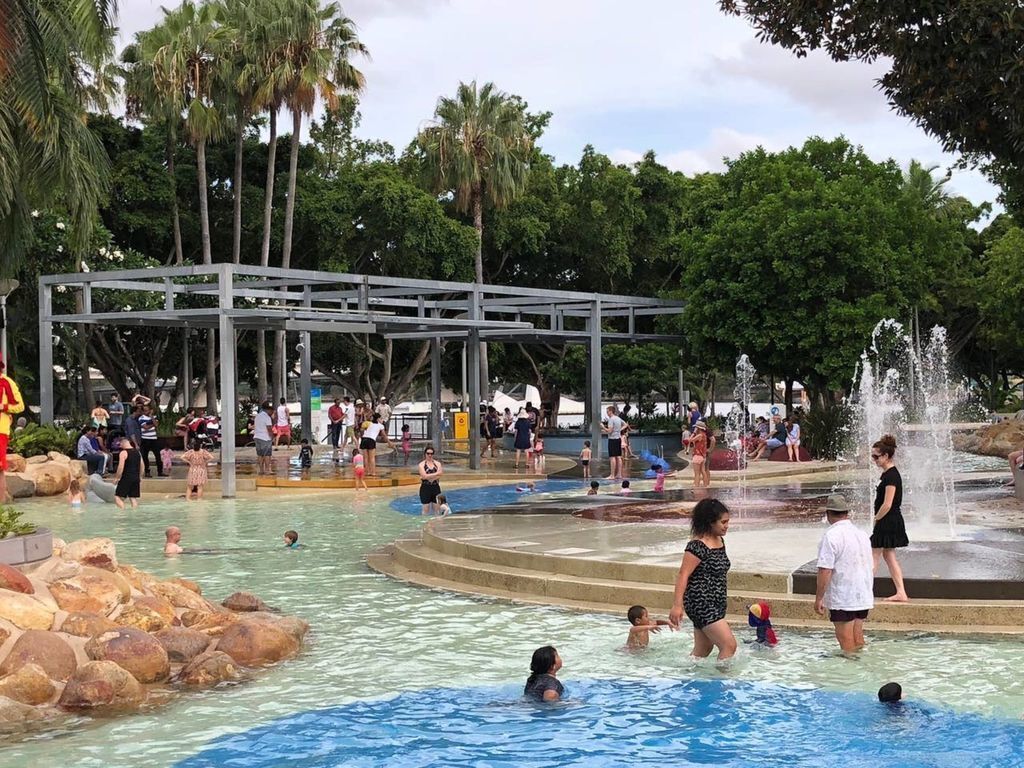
(24, 611)
(51, 478)
(253, 643)
(92, 590)
(99, 553)
(999, 439)
(56, 569)
(46, 649)
(160, 605)
(15, 462)
(210, 624)
(14, 580)
(182, 644)
(14, 712)
(73, 598)
(20, 485)
(141, 580)
(188, 584)
(57, 456)
(85, 624)
(293, 625)
(782, 454)
(138, 652)
(142, 617)
(79, 469)
(208, 669)
(180, 597)
(29, 685)
(101, 685)
(31, 460)
(244, 602)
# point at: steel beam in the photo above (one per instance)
(434, 428)
(594, 383)
(45, 353)
(228, 385)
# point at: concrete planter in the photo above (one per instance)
(30, 548)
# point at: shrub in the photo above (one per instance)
(825, 432)
(656, 424)
(40, 439)
(11, 525)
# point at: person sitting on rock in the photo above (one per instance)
(172, 547)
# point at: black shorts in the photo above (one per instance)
(585, 462)
(614, 447)
(367, 444)
(841, 616)
(429, 491)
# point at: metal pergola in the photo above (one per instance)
(239, 297)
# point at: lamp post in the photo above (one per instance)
(7, 287)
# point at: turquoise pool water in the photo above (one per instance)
(374, 639)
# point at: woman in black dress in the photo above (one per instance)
(701, 584)
(522, 428)
(430, 474)
(890, 531)
(129, 475)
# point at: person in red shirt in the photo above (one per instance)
(337, 417)
(11, 402)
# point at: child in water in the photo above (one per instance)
(641, 625)
(530, 487)
(585, 459)
(890, 693)
(291, 539)
(305, 457)
(359, 469)
(76, 496)
(443, 508)
(167, 459)
(406, 442)
(659, 477)
(171, 545)
(625, 487)
(594, 485)
(197, 459)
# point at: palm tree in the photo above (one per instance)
(478, 148)
(920, 183)
(52, 54)
(187, 67)
(313, 62)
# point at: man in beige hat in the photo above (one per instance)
(845, 575)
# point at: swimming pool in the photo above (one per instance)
(374, 639)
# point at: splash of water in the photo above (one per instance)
(738, 421)
(910, 395)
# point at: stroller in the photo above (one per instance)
(207, 432)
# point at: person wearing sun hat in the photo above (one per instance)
(11, 402)
(699, 460)
(845, 575)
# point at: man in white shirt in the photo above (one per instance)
(613, 428)
(283, 426)
(349, 422)
(845, 575)
(261, 433)
(384, 411)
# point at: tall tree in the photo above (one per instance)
(186, 67)
(478, 148)
(314, 63)
(51, 54)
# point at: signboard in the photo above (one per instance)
(462, 426)
(314, 399)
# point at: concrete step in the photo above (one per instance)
(413, 560)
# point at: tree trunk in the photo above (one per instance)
(179, 254)
(286, 250)
(204, 210)
(236, 192)
(478, 224)
(789, 396)
(262, 385)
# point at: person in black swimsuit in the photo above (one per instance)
(701, 584)
(890, 531)
(129, 475)
(542, 685)
(430, 472)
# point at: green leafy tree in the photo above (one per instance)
(957, 69)
(1002, 300)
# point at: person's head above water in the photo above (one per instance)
(545, 661)
(710, 517)
(625, 483)
(173, 534)
(890, 692)
(594, 484)
(636, 615)
(291, 538)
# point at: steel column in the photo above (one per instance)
(228, 394)
(594, 383)
(186, 370)
(434, 430)
(473, 364)
(45, 354)
(306, 385)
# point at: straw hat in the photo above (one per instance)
(701, 425)
(837, 503)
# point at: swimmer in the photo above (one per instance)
(76, 496)
(443, 508)
(528, 488)
(890, 693)
(625, 487)
(642, 626)
(291, 540)
(173, 535)
(594, 485)
(542, 684)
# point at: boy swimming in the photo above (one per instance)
(291, 539)
(641, 627)
(172, 536)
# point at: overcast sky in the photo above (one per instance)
(679, 77)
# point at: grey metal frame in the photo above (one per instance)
(307, 302)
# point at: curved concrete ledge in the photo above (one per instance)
(27, 549)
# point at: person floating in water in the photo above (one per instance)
(641, 627)
(173, 536)
(530, 487)
(543, 683)
(890, 693)
(291, 540)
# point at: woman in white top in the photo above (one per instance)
(368, 443)
(793, 439)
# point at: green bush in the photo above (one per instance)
(656, 424)
(38, 440)
(825, 432)
(11, 525)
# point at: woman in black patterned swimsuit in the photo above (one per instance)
(701, 584)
